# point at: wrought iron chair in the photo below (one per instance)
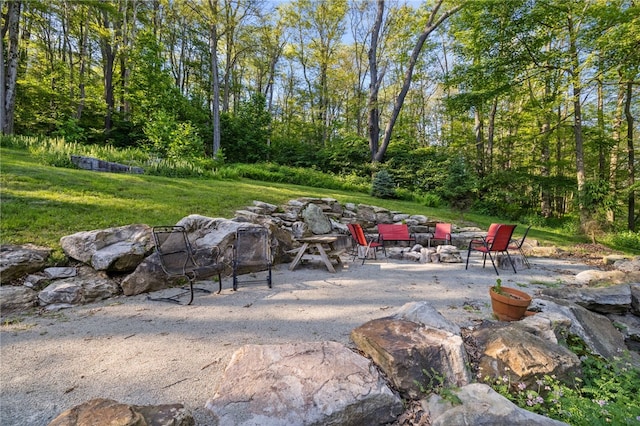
(178, 259)
(252, 253)
(498, 243)
(361, 240)
(517, 245)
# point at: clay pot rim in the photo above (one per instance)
(521, 299)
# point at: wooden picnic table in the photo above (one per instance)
(320, 247)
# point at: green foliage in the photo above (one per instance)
(430, 200)
(607, 394)
(171, 139)
(244, 136)
(624, 240)
(383, 185)
(270, 172)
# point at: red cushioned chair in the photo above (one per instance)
(498, 243)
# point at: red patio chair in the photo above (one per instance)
(360, 240)
(441, 233)
(498, 243)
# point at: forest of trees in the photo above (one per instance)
(517, 108)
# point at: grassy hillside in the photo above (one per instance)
(40, 203)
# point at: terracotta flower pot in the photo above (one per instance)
(510, 304)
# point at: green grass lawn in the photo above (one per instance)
(41, 204)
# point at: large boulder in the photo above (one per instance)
(596, 330)
(481, 405)
(510, 350)
(101, 411)
(89, 286)
(118, 249)
(413, 356)
(605, 300)
(17, 261)
(315, 218)
(303, 383)
(16, 299)
(203, 233)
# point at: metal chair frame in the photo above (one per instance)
(178, 259)
(517, 245)
(262, 262)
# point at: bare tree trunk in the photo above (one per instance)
(478, 130)
(631, 159)
(10, 73)
(577, 121)
(432, 24)
(108, 60)
(215, 83)
(374, 85)
(613, 155)
(490, 135)
(82, 72)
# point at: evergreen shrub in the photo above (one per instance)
(383, 185)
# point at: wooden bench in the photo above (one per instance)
(398, 232)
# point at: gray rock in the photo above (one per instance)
(600, 336)
(420, 219)
(89, 286)
(60, 272)
(628, 265)
(17, 261)
(551, 326)
(425, 314)
(629, 326)
(16, 299)
(269, 208)
(318, 383)
(635, 299)
(604, 300)
(300, 229)
(315, 218)
(594, 277)
(114, 249)
(481, 405)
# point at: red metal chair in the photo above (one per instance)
(498, 243)
(360, 240)
(441, 233)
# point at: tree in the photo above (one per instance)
(434, 20)
(9, 66)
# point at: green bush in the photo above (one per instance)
(625, 240)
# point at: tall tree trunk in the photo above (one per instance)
(491, 135)
(478, 131)
(631, 222)
(10, 72)
(617, 138)
(374, 84)
(215, 83)
(432, 24)
(82, 72)
(108, 60)
(576, 86)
